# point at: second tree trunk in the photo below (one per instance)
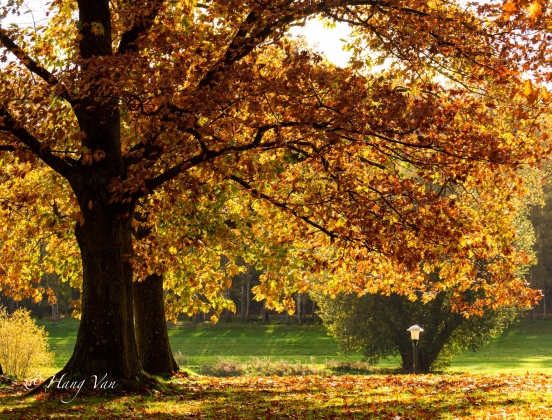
(152, 337)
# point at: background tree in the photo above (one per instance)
(376, 326)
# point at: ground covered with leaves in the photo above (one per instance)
(304, 397)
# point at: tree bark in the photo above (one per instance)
(407, 359)
(105, 341)
(152, 337)
(425, 358)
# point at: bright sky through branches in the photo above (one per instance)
(326, 41)
(321, 39)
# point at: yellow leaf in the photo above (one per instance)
(527, 88)
(535, 9)
(545, 94)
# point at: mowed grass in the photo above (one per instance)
(504, 394)
(206, 343)
(62, 336)
(524, 347)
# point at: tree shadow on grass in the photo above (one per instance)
(267, 398)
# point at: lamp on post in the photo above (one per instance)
(415, 335)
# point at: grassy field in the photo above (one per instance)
(524, 347)
(506, 393)
(205, 343)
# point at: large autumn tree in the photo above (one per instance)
(135, 111)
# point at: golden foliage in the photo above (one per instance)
(23, 345)
(233, 139)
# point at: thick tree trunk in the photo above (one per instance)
(407, 359)
(425, 358)
(152, 337)
(105, 342)
(11, 306)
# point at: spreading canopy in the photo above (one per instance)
(168, 110)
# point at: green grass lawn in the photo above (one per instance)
(205, 343)
(509, 392)
(62, 335)
(524, 347)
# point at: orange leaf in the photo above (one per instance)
(510, 7)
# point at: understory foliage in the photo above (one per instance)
(24, 346)
(376, 326)
(259, 366)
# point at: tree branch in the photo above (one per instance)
(242, 44)
(257, 194)
(208, 154)
(33, 66)
(144, 23)
(22, 135)
(7, 148)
